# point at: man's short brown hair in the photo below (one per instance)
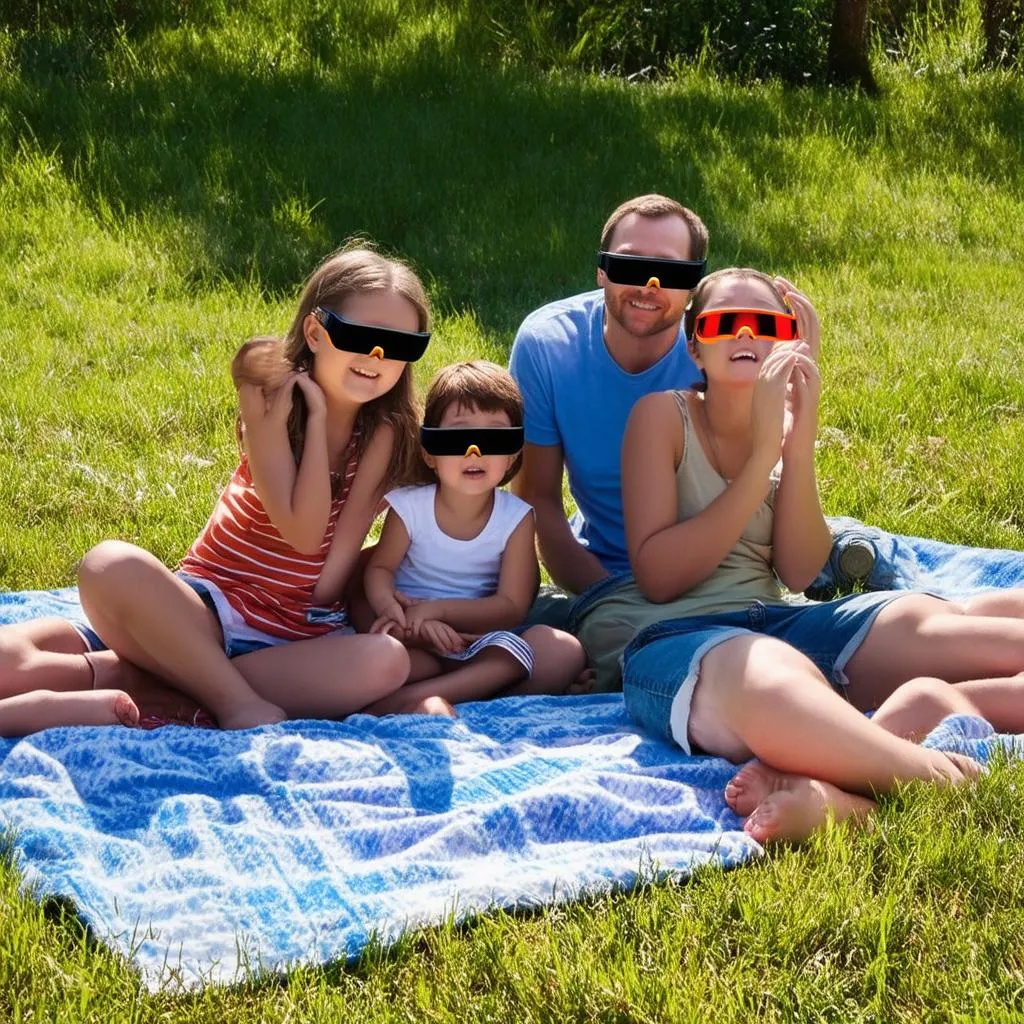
(654, 205)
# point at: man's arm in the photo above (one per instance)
(539, 482)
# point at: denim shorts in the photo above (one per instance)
(662, 662)
(239, 637)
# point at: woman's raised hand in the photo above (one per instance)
(768, 410)
(803, 396)
(808, 327)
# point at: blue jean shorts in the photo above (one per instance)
(662, 663)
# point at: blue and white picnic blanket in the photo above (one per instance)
(201, 854)
(918, 563)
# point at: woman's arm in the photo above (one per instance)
(801, 540)
(296, 498)
(357, 515)
(669, 557)
(505, 609)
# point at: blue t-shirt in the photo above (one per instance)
(575, 395)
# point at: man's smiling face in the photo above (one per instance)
(642, 311)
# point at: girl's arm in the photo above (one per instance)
(506, 609)
(801, 540)
(296, 498)
(379, 580)
(669, 557)
(357, 516)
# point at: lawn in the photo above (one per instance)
(162, 196)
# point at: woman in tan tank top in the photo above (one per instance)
(724, 525)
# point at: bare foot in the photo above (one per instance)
(32, 712)
(583, 683)
(953, 769)
(802, 807)
(752, 784)
(158, 702)
(252, 714)
(431, 706)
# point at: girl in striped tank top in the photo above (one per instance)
(252, 625)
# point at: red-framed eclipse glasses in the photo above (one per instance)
(760, 324)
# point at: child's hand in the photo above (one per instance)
(441, 637)
(391, 620)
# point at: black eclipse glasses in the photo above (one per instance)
(647, 272)
(369, 340)
(471, 440)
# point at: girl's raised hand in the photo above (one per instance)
(768, 410)
(807, 324)
(312, 392)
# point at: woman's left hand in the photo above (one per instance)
(808, 327)
(802, 400)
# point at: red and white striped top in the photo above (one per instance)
(265, 579)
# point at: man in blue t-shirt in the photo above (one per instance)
(582, 363)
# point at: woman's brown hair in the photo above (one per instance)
(354, 270)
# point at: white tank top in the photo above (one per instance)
(439, 566)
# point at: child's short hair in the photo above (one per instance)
(479, 384)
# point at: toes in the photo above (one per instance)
(126, 710)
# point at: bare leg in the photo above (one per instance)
(485, 676)
(1009, 603)
(42, 654)
(759, 697)
(330, 676)
(151, 618)
(46, 709)
(559, 663)
(918, 635)
(789, 807)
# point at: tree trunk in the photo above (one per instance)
(848, 62)
(1004, 23)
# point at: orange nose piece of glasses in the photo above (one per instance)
(473, 450)
(376, 352)
(653, 283)
(748, 331)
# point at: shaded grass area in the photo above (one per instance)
(162, 197)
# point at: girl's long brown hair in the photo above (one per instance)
(354, 270)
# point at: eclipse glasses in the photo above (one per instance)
(466, 441)
(759, 324)
(648, 272)
(369, 340)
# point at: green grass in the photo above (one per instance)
(161, 198)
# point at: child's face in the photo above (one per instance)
(470, 474)
(353, 378)
(737, 361)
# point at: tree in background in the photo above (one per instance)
(848, 62)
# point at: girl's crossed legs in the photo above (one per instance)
(155, 620)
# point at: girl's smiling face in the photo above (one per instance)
(358, 379)
(470, 474)
(736, 361)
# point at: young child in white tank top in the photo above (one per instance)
(455, 571)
